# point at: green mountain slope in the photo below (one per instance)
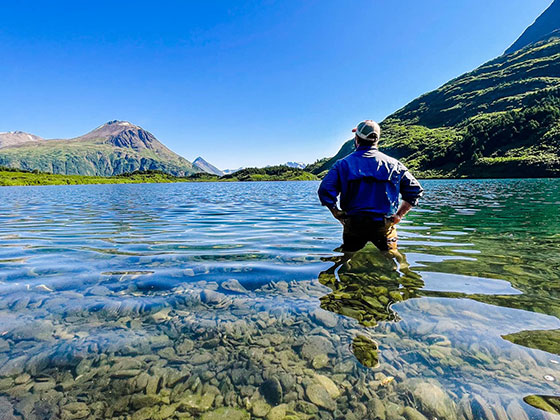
(500, 120)
(114, 148)
(321, 166)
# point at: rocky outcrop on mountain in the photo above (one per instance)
(112, 149)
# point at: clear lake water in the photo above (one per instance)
(229, 300)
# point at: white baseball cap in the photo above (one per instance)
(368, 130)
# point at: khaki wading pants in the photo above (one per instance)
(359, 230)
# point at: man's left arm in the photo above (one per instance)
(411, 191)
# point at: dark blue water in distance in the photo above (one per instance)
(227, 300)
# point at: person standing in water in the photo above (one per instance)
(369, 184)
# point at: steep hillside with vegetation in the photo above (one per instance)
(114, 148)
(323, 165)
(500, 120)
(503, 119)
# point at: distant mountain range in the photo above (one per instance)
(299, 165)
(500, 120)
(207, 167)
(111, 149)
(232, 171)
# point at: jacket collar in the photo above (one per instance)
(365, 148)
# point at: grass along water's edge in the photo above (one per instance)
(16, 177)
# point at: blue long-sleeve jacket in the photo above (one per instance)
(369, 182)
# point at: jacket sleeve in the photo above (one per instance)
(411, 190)
(330, 188)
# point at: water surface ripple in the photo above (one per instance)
(227, 300)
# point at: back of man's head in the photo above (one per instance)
(368, 133)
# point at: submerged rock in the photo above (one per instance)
(271, 390)
(13, 366)
(324, 318)
(6, 409)
(433, 401)
(6, 383)
(75, 410)
(481, 409)
(515, 411)
(288, 382)
(316, 345)
(393, 411)
(211, 297)
(140, 401)
(198, 402)
(320, 361)
(319, 396)
(376, 409)
(277, 413)
(410, 413)
(328, 384)
(226, 413)
(146, 413)
(233, 285)
(260, 408)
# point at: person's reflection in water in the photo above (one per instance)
(364, 286)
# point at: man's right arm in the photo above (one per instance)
(329, 190)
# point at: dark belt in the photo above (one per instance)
(367, 217)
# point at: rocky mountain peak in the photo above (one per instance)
(204, 166)
(120, 124)
(15, 138)
(124, 134)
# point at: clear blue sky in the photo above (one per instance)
(241, 83)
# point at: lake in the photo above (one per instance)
(228, 300)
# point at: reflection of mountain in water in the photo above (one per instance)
(509, 233)
(548, 341)
(550, 404)
(366, 284)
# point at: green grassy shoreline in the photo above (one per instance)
(14, 177)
